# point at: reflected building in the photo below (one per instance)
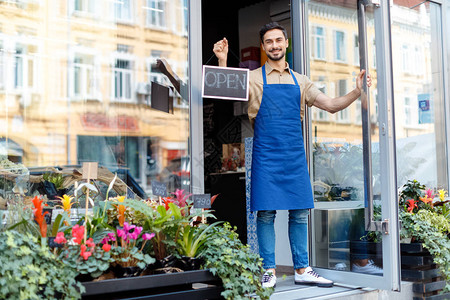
(76, 80)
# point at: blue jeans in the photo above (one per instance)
(298, 237)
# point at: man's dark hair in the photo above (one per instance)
(270, 26)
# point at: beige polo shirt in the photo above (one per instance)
(309, 91)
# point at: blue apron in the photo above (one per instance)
(280, 178)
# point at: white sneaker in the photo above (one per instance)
(309, 277)
(370, 269)
(269, 280)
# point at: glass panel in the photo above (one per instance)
(339, 240)
(71, 95)
(418, 83)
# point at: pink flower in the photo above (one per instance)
(138, 230)
(147, 236)
(121, 233)
(106, 247)
(181, 197)
(127, 227)
(132, 236)
(60, 239)
(111, 236)
(429, 193)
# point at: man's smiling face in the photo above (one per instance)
(275, 44)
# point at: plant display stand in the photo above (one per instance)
(200, 284)
(418, 266)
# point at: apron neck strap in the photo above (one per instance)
(265, 77)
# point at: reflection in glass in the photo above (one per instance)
(419, 110)
(76, 87)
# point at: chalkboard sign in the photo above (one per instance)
(225, 83)
(159, 189)
(202, 200)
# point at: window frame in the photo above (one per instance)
(131, 59)
(163, 12)
(344, 45)
(315, 53)
(95, 68)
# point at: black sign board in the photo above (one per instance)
(225, 83)
(160, 97)
(202, 200)
(159, 189)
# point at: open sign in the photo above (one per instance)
(225, 83)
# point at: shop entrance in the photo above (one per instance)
(226, 125)
(352, 154)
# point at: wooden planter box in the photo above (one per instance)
(200, 284)
(418, 266)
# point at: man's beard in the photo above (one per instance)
(276, 58)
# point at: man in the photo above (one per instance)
(280, 179)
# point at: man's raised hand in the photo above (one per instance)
(221, 51)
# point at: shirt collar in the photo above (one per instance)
(269, 68)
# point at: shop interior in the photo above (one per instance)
(226, 125)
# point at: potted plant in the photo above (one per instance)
(127, 258)
(122, 233)
(236, 265)
(86, 258)
(30, 271)
(425, 222)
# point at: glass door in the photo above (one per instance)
(354, 232)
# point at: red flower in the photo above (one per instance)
(86, 255)
(167, 200)
(60, 239)
(106, 247)
(90, 243)
(39, 216)
(411, 205)
(78, 234)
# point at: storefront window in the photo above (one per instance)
(418, 91)
(76, 89)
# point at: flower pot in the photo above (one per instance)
(52, 243)
(123, 272)
(84, 278)
(48, 217)
(186, 263)
(169, 264)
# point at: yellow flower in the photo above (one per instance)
(442, 194)
(66, 202)
(120, 198)
(66, 205)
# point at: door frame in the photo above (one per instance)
(391, 278)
